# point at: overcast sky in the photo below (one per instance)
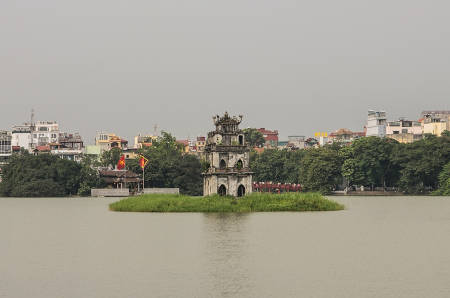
(295, 66)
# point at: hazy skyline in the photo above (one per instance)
(295, 66)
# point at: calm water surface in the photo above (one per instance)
(377, 247)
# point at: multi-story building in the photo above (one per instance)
(200, 144)
(271, 138)
(296, 142)
(5, 146)
(107, 141)
(443, 114)
(435, 122)
(21, 136)
(69, 146)
(434, 125)
(404, 131)
(344, 135)
(44, 132)
(376, 124)
(141, 141)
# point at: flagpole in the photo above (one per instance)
(143, 180)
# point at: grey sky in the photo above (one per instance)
(295, 66)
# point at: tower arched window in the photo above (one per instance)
(239, 164)
(222, 164)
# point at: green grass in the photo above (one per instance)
(255, 202)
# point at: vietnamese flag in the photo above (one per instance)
(121, 163)
(143, 162)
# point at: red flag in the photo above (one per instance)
(121, 163)
(143, 162)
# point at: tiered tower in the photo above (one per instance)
(229, 159)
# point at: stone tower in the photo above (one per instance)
(229, 157)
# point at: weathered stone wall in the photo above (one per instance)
(110, 192)
(231, 183)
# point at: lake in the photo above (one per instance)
(75, 247)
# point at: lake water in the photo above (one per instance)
(377, 247)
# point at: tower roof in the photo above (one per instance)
(227, 120)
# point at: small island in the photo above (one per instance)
(255, 202)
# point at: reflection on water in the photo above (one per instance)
(226, 251)
(377, 247)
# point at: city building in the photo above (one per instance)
(296, 142)
(435, 126)
(21, 136)
(404, 131)
(107, 141)
(271, 138)
(93, 151)
(311, 143)
(376, 124)
(44, 132)
(69, 146)
(200, 144)
(435, 122)
(443, 114)
(345, 136)
(283, 145)
(5, 147)
(228, 156)
(130, 153)
(142, 141)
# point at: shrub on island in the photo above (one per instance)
(255, 202)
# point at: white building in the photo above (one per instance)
(5, 147)
(376, 124)
(21, 136)
(45, 132)
(297, 142)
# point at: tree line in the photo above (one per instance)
(418, 167)
(46, 175)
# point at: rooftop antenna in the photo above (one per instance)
(32, 117)
(155, 130)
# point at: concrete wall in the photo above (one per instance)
(161, 191)
(110, 192)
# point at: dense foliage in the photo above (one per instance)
(168, 166)
(44, 175)
(253, 137)
(255, 202)
(371, 162)
(444, 181)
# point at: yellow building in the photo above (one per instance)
(405, 137)
(106, 141)
(436, 126)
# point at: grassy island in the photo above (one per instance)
(255, 202)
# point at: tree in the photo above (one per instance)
(276, 165)
(368, 162)
(47, 175)
(168, 166)
(89, 176)
(421, 162)
(445, 133)
(111, 157)
(320, 169)
(444, 181)
(253, 137)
